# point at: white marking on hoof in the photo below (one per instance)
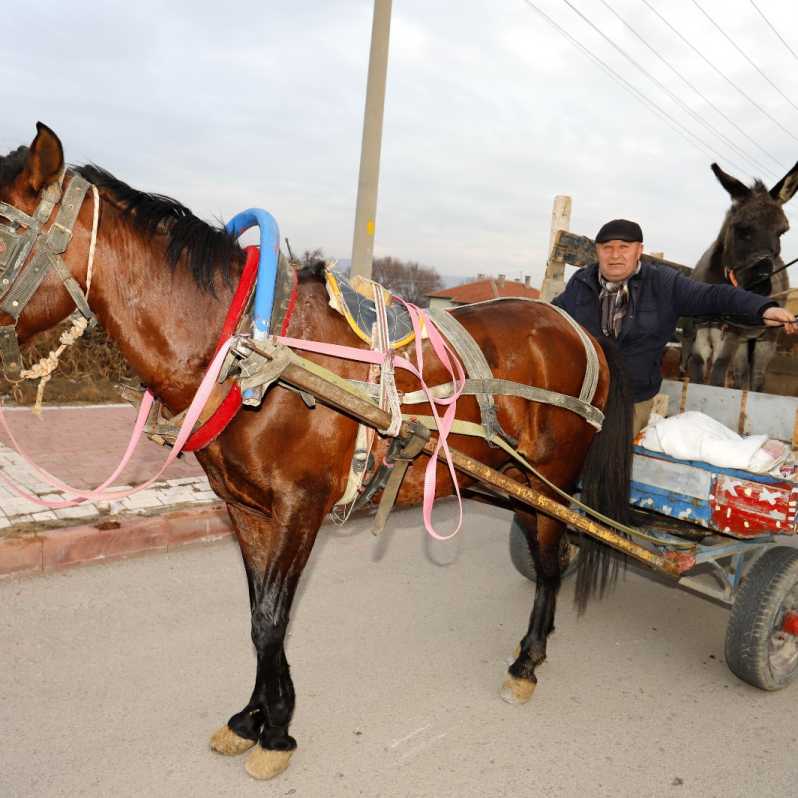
(226, 741)
(517, 691)
(265, 764)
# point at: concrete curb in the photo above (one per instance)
(110, 538)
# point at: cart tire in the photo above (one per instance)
(522, 557)
(758, 650)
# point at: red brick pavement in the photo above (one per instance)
(83, 445)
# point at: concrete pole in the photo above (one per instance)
(554, 280)
(366, 213)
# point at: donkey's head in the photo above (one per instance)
(750, 238)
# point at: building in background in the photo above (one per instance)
(480, 290)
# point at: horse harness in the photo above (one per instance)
(28, 252)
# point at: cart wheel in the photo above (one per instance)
(762, 637)
(522, 557)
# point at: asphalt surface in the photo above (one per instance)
(112, 678)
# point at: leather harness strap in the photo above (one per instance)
(25, 258)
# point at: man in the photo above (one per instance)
(639, 305)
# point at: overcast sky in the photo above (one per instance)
(490, 112)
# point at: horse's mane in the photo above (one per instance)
(209, 250)
(312, 271)
(11, 165)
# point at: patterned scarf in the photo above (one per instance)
(614, 298)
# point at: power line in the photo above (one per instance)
(674, 97)
(743, 54)
(770, 25)
(727, 79)
(690, 85)
(683, 131)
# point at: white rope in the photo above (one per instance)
(43, 370)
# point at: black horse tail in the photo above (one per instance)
(606, 475)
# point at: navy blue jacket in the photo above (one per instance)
(658, 296)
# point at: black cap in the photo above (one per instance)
(620, 230)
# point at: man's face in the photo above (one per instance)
(618, 259)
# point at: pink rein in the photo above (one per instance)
(449, 361)
(99, 493)
(442, 350)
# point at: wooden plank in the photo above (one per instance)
(764, 413)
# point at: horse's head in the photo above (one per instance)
(37, 254)
(751, 233)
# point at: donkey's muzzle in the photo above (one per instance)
(758, 277)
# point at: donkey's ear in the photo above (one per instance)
(783, 190)
(45, 158)
(737, 189)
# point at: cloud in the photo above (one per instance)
(490, 112)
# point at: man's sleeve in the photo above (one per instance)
(692, 298)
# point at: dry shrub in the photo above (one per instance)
(87, 371)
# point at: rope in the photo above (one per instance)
(43, 370)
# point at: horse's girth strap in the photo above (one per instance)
(497, 387)
(474, 363)
(590, 381)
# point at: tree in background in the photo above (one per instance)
(311, 256)
(409, 279)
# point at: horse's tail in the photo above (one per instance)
(606, 475)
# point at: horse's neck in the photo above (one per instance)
(165, 325)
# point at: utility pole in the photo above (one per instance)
(365, 215)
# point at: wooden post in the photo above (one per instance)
(554, 281)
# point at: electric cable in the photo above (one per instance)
(674, 97)
(701, 94)
(743, 53)
(724, 76)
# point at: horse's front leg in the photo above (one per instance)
(723, 357)
(275, 552)
(764, 352)
(544, 536)
(740, 366)
(700, 354)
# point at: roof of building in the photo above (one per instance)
(490, 288)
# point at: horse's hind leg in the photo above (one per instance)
(544, 536)
(274, 554)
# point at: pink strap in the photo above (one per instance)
(98, 494)
(450, 362)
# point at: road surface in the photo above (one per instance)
(112, 678)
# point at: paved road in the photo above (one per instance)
(113, 676)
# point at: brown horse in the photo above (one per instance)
(162, 283)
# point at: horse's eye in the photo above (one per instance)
(742, 230)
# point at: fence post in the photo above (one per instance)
(554, 281)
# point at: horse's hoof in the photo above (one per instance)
(226, 741)
(517, 691)
(263, 763)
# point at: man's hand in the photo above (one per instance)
(777, 317)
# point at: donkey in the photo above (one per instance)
(746, 254)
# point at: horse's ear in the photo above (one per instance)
(45, 158)
(783, 190)
(737, 189)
